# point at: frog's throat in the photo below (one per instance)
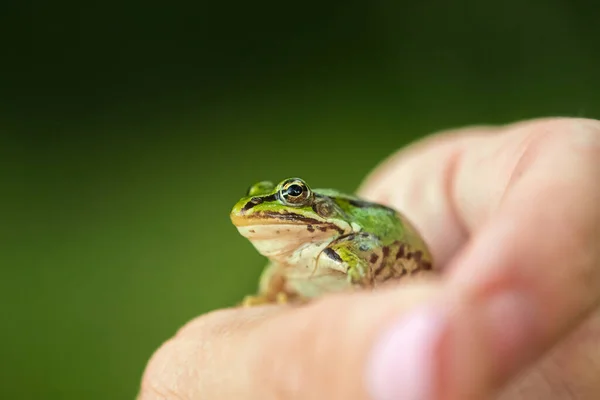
(280, 241)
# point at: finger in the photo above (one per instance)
(535, 260)
(418, 182)
(190, 364)
(317, 351)
(526, 201)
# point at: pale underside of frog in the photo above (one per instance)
(320, 241)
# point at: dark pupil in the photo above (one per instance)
(294, 190)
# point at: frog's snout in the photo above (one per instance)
(235, 213)
(240, 212)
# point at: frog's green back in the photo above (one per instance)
(383, 221)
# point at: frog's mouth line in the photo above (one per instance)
(286, 218)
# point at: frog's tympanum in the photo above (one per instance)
(321, 241)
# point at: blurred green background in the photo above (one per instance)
(129, 129)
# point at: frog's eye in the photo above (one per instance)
(295, 192)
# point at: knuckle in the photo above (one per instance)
(568, 144)
(570, 133)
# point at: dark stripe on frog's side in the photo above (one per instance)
(287, 216)
(332, 254)
(259, 200)
(355, 202)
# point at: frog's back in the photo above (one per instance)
(403, 250)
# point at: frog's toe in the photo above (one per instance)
(282, 298)
(252, 301)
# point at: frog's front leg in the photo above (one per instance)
(271, 289)
(356, 255)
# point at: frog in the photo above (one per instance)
(322, 241)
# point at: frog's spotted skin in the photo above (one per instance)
(321, 241)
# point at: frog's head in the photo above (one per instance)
(279, 219)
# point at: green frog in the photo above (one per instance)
(320, 241)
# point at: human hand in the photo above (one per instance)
(512, 216)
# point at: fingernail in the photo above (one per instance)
(403, 361)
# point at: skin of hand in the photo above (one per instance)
(512, 216)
